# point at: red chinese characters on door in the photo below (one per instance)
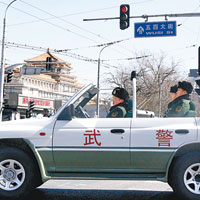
(91, 137)
(164, 137)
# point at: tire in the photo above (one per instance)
(16, 173)
(185, 176)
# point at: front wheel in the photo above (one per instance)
(12, 175)
(16, 173)
(185, 176)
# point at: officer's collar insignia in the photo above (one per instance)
(178, 109)
(114, 114)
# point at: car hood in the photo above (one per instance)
(24, 121)
(24, 127)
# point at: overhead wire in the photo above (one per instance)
(60, 27)
(183, 23)
(79, 13)
(56, 17)
(130, 58)
(76, 56)
(99, 45)
(188, 17)
(73, 55)
(97, 35)
(40, 19)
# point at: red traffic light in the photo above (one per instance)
(124, 9)
(124, 16)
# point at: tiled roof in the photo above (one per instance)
(42, 58)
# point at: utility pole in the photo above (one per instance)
(98, 73)
(2, 61)
(98, 77)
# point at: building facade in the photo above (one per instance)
(48, 90)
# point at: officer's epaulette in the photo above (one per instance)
(186, 101)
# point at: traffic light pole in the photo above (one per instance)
(2, 62)
(150, 16)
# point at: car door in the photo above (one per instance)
(92, 145)
(154, 141)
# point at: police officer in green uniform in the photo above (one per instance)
(129, 114)
(173, 91)
(173, 96)
(120, 103)
(181, 105)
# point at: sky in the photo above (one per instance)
(59, 25)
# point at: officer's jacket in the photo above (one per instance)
(180, 107)
(118, 111)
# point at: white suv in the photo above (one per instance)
(72, 145)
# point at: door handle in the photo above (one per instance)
(117, 131)
(182, 131)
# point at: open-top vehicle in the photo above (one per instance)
(71, 145)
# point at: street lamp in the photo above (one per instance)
(98, 76)
(2, 61)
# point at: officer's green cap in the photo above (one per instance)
(121, 93)
(187, 86)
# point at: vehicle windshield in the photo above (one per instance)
(81, 98)
(86, 97)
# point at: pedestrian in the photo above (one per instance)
(120, 103)
(182, 104)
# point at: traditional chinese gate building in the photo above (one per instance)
(48, 90)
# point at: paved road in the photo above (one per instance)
(103, 190)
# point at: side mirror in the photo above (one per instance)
(67, 114)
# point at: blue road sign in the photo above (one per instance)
(155, 29)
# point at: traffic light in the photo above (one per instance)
(124, 16)
(9, 77)
(31, 105)
(5, 103)
(48, 64)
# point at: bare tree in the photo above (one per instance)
(155, 75)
